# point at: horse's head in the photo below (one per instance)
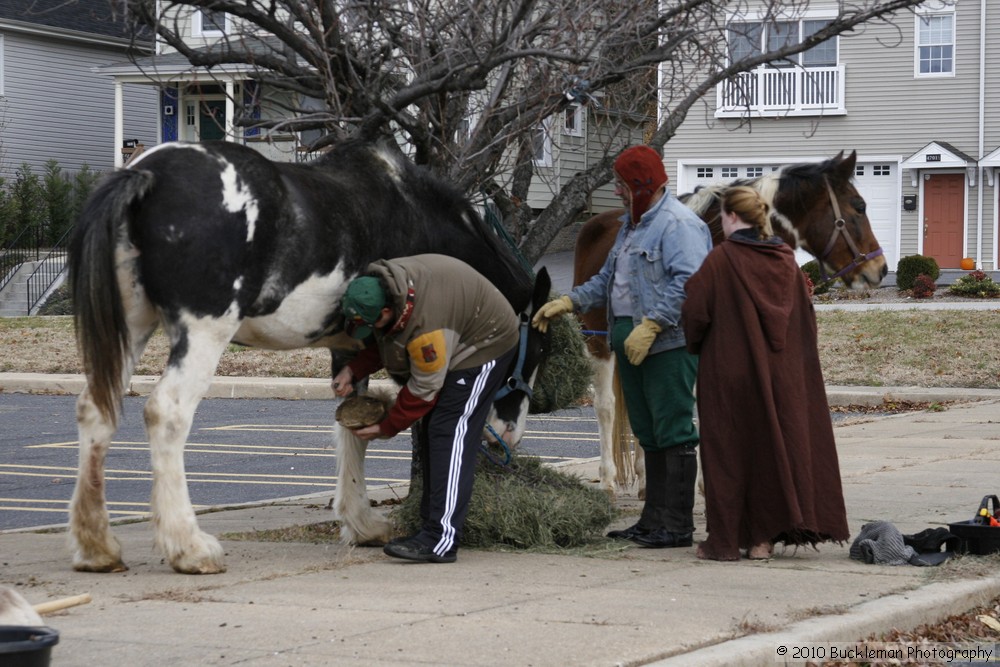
(510, 407)
(833, 225)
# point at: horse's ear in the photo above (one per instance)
(845, 165)
(543, 285)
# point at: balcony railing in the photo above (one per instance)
(786, 91)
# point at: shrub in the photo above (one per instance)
(28, 207)
(976, 284)
(912, 266)
(923, 287)
(57, 193)
(60, 302)
(811, 269)
(810, 285)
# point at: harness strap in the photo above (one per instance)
(516, 380)
(840, 229)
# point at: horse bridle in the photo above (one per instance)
(839, 229)
(516, 382)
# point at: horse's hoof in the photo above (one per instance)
(202, 554)
(378, 534)
(100, 566)
(206, 568)
(206, 564)
(97, 556)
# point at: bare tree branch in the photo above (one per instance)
(467, 84)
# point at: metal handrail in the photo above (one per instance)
(48, 271)
(13, 255)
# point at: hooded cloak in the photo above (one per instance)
(768, 453)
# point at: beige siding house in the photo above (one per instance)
(569, 142)
(918, 101)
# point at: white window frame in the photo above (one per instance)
(573, 121)
(797, 59)
(919, 17)
(198, 28)
(3, 66)
(545, 128)
(784, 89)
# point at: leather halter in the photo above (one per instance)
(839, 229)
(517, 381)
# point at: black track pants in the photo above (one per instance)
(451, 435)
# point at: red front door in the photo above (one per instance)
(944, 218)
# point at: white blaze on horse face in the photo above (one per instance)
(302, 310)
(236, 198)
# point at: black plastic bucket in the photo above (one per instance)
(26, 645)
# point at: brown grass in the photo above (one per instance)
(874, 348)
(943, 348)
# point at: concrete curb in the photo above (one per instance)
(319, 389)
(924, 605)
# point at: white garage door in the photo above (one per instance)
(878, 183)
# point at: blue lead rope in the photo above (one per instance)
(506, 449)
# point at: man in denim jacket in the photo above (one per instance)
(660, 245)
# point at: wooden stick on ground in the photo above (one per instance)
(51, 606)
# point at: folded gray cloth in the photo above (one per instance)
(881, 543)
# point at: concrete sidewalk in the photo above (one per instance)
(321, 604)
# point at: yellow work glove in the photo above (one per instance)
(552, 309)
(638, 342)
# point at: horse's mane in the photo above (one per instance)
(385, 157)
(704, 197)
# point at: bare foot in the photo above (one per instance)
(704, 555)
(762, 551)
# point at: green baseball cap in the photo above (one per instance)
(362, 305)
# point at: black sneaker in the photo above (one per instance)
(661, 538)
(629, 533)
(413, 549)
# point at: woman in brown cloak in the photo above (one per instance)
(768, 454)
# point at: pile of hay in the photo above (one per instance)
(565, 377)
(523, 505)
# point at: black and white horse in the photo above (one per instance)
(215, 243)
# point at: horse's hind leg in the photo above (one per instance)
(93, 546)
(196, 345)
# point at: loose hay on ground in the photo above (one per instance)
(523, 505)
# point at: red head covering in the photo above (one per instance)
(641, 169)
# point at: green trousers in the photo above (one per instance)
(659, 393)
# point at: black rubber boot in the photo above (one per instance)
(675, 527)
(651, 518)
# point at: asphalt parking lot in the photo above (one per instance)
(239, 451)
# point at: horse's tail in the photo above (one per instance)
(623, 442)
(99, 315)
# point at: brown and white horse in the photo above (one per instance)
(815, 206)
